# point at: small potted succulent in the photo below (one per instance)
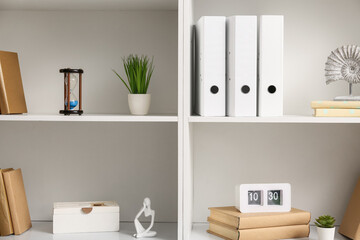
(325, 227)
(138, 72)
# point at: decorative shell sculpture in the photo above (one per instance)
(343, 64)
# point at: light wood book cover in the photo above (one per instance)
(12, 98)
(272, 233)
(233, 217)
(350, 225)
(19, 209)
(334, 112)
(335, 104)
(6, 227)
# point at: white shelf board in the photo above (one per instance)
(199, 233)
(88, 118)
(282, 119)
(89, 5)
(43, 231)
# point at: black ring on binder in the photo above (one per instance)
(245, 89)
(271, 89)
(214, 89)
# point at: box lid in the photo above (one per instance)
(85, 207)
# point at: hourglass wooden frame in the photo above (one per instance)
(67, 108)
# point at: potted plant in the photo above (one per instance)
(138, 72)
(325, 227)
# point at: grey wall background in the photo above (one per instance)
(302, 152)
(95, 41)
(125, 162)
(321, 161)
(313, 28)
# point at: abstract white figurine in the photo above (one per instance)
(141, 232)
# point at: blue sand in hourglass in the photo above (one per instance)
(73, 104)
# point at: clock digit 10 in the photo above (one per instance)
(263, 197)
(254, 197)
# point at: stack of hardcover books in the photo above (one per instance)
(336, 108)
(14, 211)
(230, 223)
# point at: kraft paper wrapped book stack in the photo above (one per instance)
(13, 201)
(12, 98)
(230, 223)
(6, 227)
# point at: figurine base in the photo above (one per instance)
(68, 112)
(148, 234)
(347, 98)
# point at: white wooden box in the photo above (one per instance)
(78, 217)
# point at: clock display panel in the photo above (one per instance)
(254, 197)
(263, 197)
(274, 197)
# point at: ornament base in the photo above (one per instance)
(68, 112)
(347, 98)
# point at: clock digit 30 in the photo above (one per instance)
(274, 197)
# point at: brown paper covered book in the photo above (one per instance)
(12, 98)
(322, 112)
(6, 227)
(19, 210)
(233, 217)
(350, 225)
(272, 233)
(335, 104)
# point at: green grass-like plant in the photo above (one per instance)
(325, 221)
(138, 72)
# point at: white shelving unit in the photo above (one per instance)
(89, 118)
(221, 152)
(184, 163)
(199, 229)
(43, 231)
(283, 119)
(124, 5)
(105, 153)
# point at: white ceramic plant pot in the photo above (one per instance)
(139, 104)
(326, 233)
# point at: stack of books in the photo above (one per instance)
(230, 223)
(336, 108)
(14, 211)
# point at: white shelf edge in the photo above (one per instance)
(88, 118)
(43, 231)
(199, 233)
(282, 119)
(89, 5)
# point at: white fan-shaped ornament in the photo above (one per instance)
(344, 64)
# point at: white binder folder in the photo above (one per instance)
(271, 65)
(210, 66)
(241, 66)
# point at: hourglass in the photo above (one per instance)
(71, 78)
